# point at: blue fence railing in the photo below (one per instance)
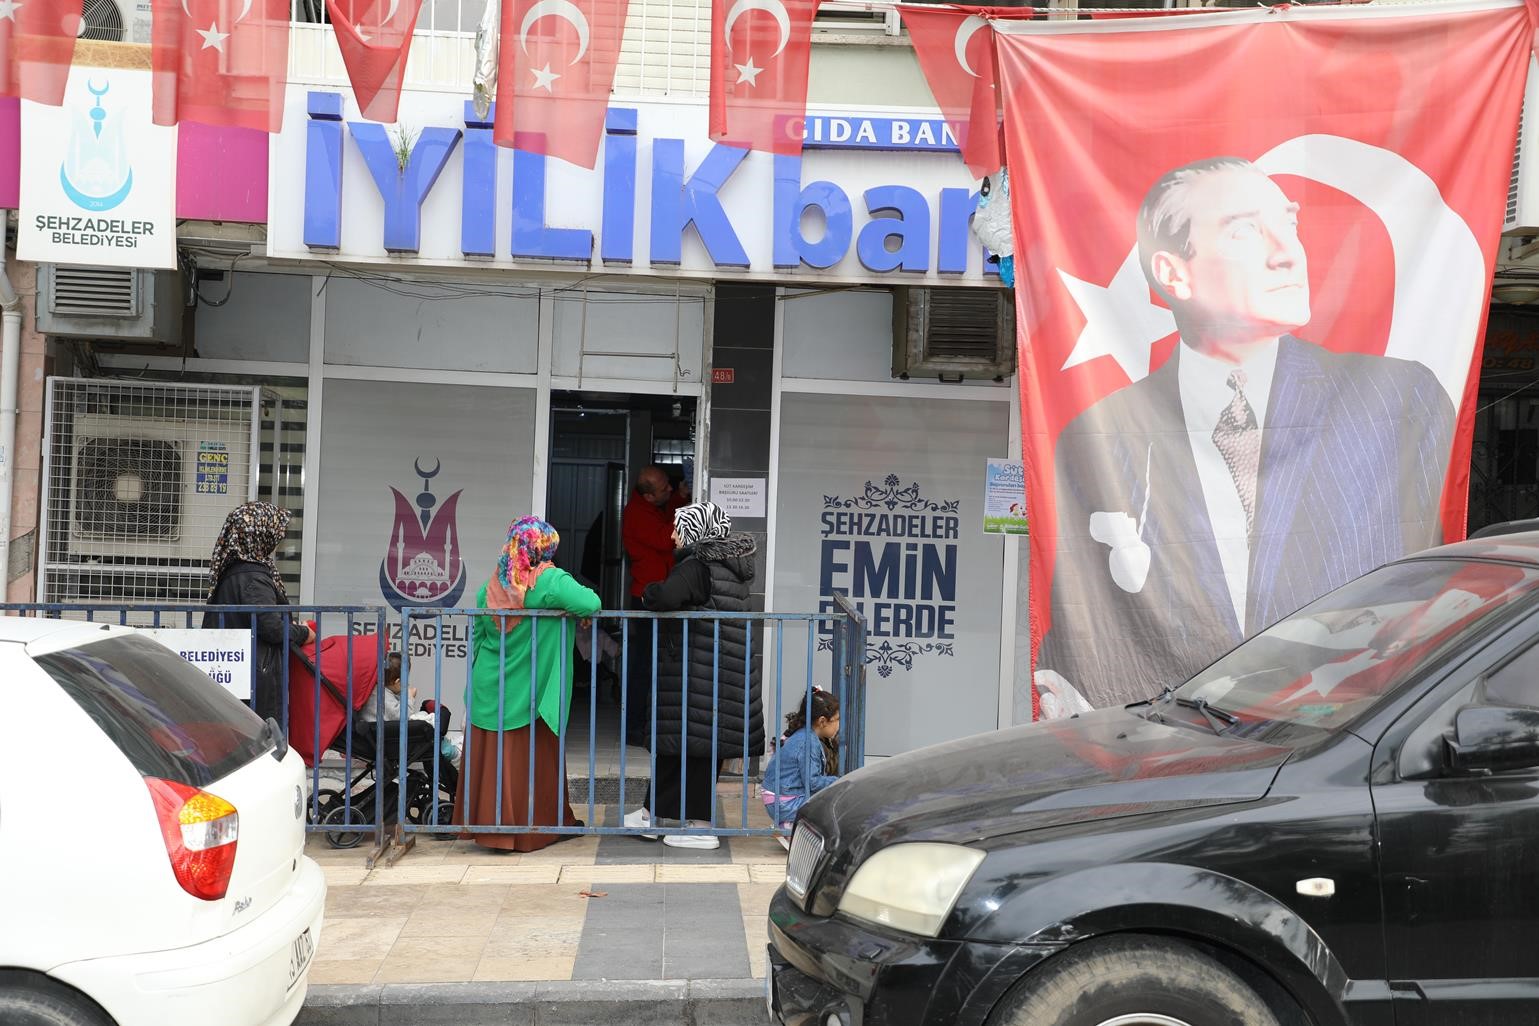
(381, 770)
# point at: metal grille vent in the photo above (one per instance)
(129, 488)
(1517, 169)
(964, 324)
(102, 20)
(94, 292)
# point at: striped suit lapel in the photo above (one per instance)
(1290, 447)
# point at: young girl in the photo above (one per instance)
(807, 761)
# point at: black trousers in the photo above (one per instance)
(696, 783)
(638, 681)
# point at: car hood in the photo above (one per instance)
(1104, 764)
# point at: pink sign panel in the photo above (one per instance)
(10, 153)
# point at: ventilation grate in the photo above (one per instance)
(94, 292)
(129, 488)
(964, 324)
(102, 20)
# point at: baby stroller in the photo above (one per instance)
(315, 697)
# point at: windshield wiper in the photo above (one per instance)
(1217, 718)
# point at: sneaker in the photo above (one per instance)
(640, 820)
(702, 842)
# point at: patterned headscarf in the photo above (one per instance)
(251, 533)
(530, 547)
(700, 521)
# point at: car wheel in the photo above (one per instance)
(27, 1000)
(1133, 981)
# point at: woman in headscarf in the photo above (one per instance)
(243, 571)
(511, 712)
(712, 571)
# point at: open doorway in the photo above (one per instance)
(599, 443)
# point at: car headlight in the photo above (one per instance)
(910, 887)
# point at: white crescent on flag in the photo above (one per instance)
(774, 8)
(244, 10)
(971, 24)
(566, 11)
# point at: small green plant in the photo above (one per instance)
(404, 139)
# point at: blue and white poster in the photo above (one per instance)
(98, 180)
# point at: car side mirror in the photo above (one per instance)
(1493, 737)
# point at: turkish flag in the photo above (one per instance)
(220, 62)
(37, 41)
(760, 50)
(375, 37)
(955, 47)
(555, 69)
(1250, 313)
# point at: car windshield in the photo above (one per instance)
(1332, 661)
(165, 715)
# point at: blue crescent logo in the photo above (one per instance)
(87, 202)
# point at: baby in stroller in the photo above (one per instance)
(331, 685)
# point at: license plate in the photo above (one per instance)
(769, 993)
(299, 957)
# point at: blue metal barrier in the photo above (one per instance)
(390, 801)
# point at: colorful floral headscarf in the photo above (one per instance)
(701, 521)
(530, 548)
(251, 533)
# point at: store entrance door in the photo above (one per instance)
(599, 443)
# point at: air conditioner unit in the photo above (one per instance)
(153, 488)
(953, 333)
(1523, 189)
(120, 303)
(117, 21)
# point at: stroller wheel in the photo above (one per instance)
(337, 816)
(320, 803)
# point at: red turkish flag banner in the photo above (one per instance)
(1250, 308)
(760, 52)
(556, 67)
(37, 44)
(955, 47)
(375, 38)
(220, 62)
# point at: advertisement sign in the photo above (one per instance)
(887, 518)
(98, 180)
(878, 196)
(1004, 497)
(1248, 376)
(225, 655)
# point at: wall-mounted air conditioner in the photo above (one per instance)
(117, 21)
(1523, 190)
(111, 303)
(153, 488)
(953, 333)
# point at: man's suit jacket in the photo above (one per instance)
(1353, 457)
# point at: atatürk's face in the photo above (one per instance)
(1247, 275)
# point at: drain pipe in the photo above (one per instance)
(10, 371)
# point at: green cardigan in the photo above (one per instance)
(555, 589)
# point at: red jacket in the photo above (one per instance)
(648, 535)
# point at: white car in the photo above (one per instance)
(152, 831)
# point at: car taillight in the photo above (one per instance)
(200, 831)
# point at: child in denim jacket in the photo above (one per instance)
(807, 761)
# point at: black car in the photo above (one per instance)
(1337, 822)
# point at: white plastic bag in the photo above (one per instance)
(488, 43)
(991, 224)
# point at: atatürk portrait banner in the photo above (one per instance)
(1254, 254)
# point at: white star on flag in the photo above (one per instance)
(1120, 321)
(212, 37)
(748, 73)
(543, 77)
(8, 9)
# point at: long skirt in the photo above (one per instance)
(478, 787)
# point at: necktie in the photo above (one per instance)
(1238, 438)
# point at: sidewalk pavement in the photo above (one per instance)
(683, 929)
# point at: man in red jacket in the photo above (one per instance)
(646, 527)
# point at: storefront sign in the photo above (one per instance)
(225, 655)
(873, 199)
(98, 180)
(723, 376)
(1004, 498)
(213, 468)
(893, 552)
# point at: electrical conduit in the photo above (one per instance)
(10, 371)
